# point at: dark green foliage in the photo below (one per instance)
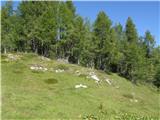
(157, 78)
(131, 32)
(7, 37)
(149, 43)
(87, 51)
(102, 41)
(132, 60)
(53, 29)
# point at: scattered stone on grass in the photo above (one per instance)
(80, 86)
(108, 81)
(117, 87)
(51, 69)
(45, 58)
(92, 75)
(45, 69)
(134, 100)
(12, 57)
(59, 70)
(62, 60)
(38, 68)
(78, 73)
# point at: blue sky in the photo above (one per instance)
(146, 15)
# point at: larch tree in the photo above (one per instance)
(101, 38)
(53, 29)
(7, 42)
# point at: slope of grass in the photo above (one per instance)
(27, 94)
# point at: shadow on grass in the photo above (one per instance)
(51, 81)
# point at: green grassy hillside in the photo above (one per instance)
(36, 94)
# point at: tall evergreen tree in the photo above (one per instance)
(149, 43)
(7, 42)
(101, 31)
(88, 47)
(132, 52)
(66, 21)
(131, 31)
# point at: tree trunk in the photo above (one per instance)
(56, 50)
(36, 50)
(5, 50)
(42, 48)
(67, 58)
